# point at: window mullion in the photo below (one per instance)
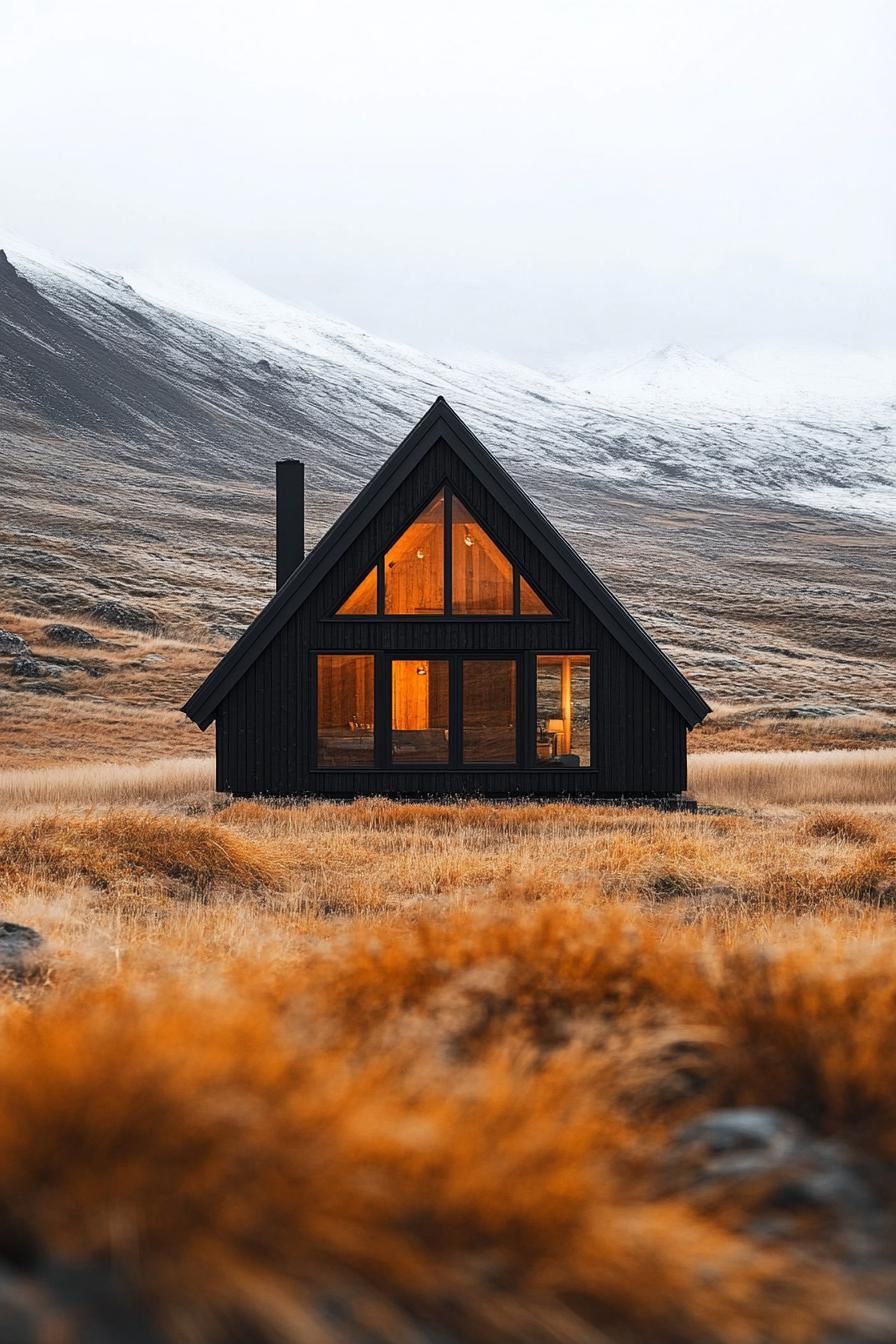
(448, 524)
(456, 718)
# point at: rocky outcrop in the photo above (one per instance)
(795, 1188)
(70, 634)
(11, 643)
(123, 616)
(19, 945)
(26, 665)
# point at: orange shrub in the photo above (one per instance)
(185, 853)
(244, 1179)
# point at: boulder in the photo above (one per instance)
(125, 617)
(793, 1186)
(44, 1297)
(26, 665)
(17, 943)
(11, 643)
(70, 634)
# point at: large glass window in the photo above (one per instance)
(489, 710)
(344, 710)
(481, 574)
(429, 554)
(420, 711)
(361, 602)
(415, 565)
(563, 728)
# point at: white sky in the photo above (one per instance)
(536, 178)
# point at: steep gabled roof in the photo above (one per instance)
(441, 422)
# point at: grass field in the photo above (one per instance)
(425, 1072)
(447, 1073)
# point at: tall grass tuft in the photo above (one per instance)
(123, 846)
(88, 785)
(759, 778)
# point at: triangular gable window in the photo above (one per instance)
(530, 603)
(363, 601)
(481, 580)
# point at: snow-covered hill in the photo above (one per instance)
(768, 379)
(672, 376)
(203, 372)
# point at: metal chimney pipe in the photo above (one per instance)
(290, 518)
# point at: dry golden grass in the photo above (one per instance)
(745, 779)
(776, 727)
(123, 700)
(119, 847)
(388, 1072)
(735, 779)
(87, 785)
(257, 1181)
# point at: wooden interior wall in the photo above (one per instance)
(264, 726)
(419, 702)
(345, 690)
(415, 566)
(482, 577)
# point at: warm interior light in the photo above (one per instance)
(468, 540)
(421, 671)
(420, 553)
(555, 725)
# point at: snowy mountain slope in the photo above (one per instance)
(671, 376)
(769, 379)
(206, 374)
(826, 373)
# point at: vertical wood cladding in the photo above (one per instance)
(264, 725)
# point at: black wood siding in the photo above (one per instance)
(264, 726)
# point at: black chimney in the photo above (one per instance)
(290, 518)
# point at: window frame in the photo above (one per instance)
(455, 659)
(526, 710)
(519, 661)
(448, 614)
(313, 684)
(532, 659)
(391, 657)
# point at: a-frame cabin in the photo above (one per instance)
(442, 639)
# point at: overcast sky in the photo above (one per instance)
(534, 179)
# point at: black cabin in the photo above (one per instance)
(443, 639)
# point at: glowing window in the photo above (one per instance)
(563, 715)
(344, 710)
(363, 601)
(420, 711)
(481, 574)
(489, 711)
(415, 565)
(429, 554)
(530, 603)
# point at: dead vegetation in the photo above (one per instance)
(387, 1072)
(759, 778)
(183, 853)
(468, 1124)
(735, 779)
